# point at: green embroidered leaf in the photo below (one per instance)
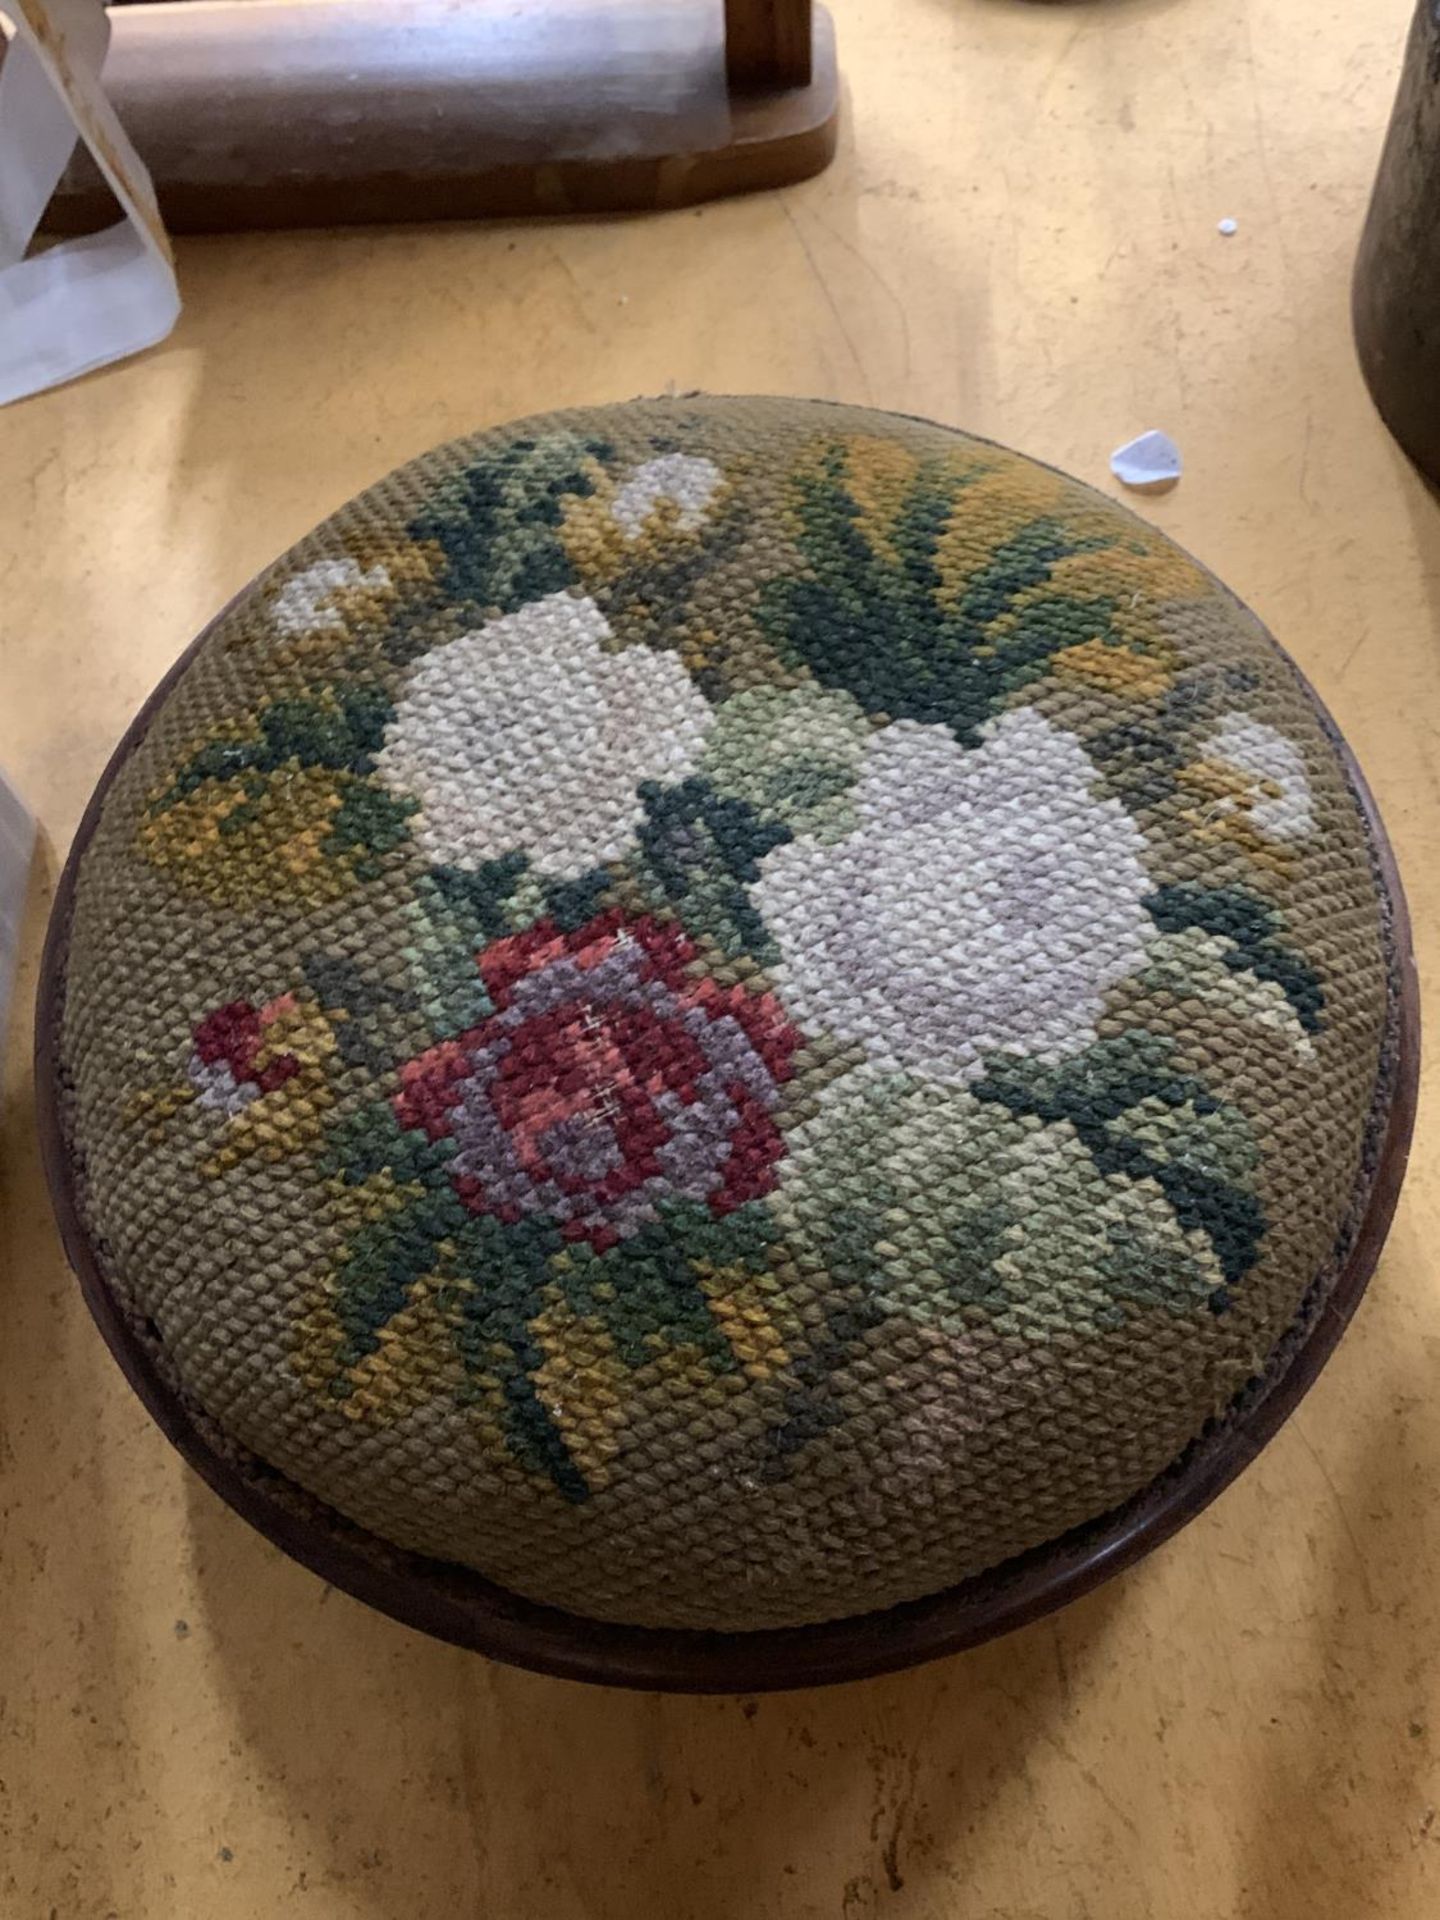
(370, 821)
(343, 733)
(792, 754)
(571, 903)
(382, 1263)
(1141, 1118)
(1195, 966)
(871, 617)
(360, 1007)
(1141, 761)
(1250, 928)
(318, 734)
(469, 905)
(497, 1279)
(812, 1407)
(324, 749)
(701, 852)
(647, 1289)
(498, 522)
(951, 1212)
(373, 1141)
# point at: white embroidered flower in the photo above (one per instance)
(985, 902)
(307, 599)
(526, 736)
(1274, 794)
(687, 480)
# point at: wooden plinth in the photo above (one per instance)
(285, 113)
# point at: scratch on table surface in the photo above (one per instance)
(1353, 655)
(576, 289)
(1305, 460)
(1052, 72)
(858, 254)
(900, 1807)
(830, 300)
(1262, 150)
(50, 463)
(1086, 1774)
(1176, 333)
(1062, 1668)
(895, 1762)
(1340, 1508)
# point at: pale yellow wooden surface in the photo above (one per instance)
(1019, 236)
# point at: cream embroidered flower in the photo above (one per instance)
(525, 735)
(307, 599)
(686, 480)
(1260, 778)
(986, 901)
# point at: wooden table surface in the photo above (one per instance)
(1019, 236)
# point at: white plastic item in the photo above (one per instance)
(1149, 464)
(86, 302)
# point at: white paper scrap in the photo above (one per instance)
(17, 842)
(1150, 464)
(81, 303)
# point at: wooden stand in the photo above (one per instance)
(283, 113)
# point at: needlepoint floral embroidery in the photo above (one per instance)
(1041, 910)
(483, 749)
(607, 1081)
(728, 1012)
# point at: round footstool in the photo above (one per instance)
(726, 1043)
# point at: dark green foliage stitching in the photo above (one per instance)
(570, 903)
(878, 628)
(370, 821)
(1141, 762)
(341, 735)
(812, 1407)
(1251, 927)
(344, 734)
(498, 522)
(496, 1277)
(1095, 1091)
(472, 904)
(703, 850)
(472, 908)
(340, 985)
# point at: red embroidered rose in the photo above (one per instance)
(230, 1064)
(608, 1079)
